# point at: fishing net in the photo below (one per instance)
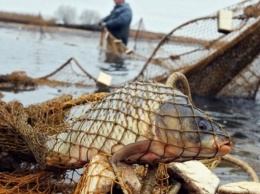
(142, 44)
(71, 73)
(52, 141)
(109, 43)
(16, 81)
(20, 173)
(215, 63)
(246, 82)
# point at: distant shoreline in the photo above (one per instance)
(38, 20)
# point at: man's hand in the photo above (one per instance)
(102, 24)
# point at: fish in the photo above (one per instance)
(143, 122)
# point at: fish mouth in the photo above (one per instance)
(224, 147)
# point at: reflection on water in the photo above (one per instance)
(116, 62)
(114, 59)
(241, 118)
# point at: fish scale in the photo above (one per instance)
(141, 122)
(125, 116)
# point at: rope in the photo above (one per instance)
(179, 81)
(242, 165)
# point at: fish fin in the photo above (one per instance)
(131, 150)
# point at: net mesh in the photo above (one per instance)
(140, 123)
(70, 73)
(215, 62)
(66, 145)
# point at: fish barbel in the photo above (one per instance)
(142, 122)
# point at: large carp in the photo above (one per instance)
(142, 122)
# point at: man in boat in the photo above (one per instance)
(119, 20)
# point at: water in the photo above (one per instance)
(241, 118)
(23, 49)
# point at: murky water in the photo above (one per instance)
(241, 118)
(23, 49)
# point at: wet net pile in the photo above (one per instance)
(45, 146)
(20, 172)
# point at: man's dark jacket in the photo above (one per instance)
(118, 22)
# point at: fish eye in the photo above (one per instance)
(203, 125)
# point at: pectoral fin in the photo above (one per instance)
(133, 150)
